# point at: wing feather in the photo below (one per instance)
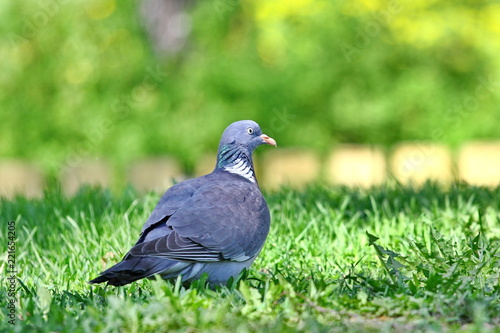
(174, 246)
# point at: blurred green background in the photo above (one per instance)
(84, 79)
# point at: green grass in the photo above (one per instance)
(434, 267)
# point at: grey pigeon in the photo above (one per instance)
(215, 224)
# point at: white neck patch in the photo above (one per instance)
(239, 167)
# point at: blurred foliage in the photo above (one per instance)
(80, 79)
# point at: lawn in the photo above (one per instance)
(391, 258)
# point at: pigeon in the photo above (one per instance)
(215, 224)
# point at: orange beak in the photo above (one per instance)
(268, 140)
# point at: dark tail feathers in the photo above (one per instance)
(132, 269)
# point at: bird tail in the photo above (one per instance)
(132, 269)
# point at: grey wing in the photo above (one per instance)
(225, 222)
(173, 199)
(174, 246)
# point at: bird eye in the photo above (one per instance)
(250, 130)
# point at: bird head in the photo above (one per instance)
(244, 133)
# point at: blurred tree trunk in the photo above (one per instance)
(167, 23)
